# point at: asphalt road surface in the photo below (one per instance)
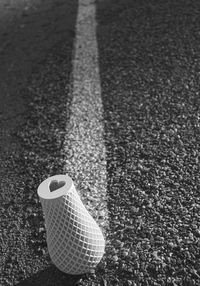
(107, 91)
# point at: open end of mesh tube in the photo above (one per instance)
(55, 187)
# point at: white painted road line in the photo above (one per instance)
(85, 132)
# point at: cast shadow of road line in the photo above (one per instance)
(50, 276)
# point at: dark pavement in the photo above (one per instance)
(149, 58)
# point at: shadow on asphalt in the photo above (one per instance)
(28, 34)
(50, 276)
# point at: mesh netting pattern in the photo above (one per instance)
(75, 241)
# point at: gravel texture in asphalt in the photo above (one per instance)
(84, 145)
(33, 121)
(150, 77)
(149, 59)
(41, 137)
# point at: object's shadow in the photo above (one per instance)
(50, 276)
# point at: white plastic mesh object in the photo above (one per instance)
(74, 240)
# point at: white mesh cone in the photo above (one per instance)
(74, 240)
